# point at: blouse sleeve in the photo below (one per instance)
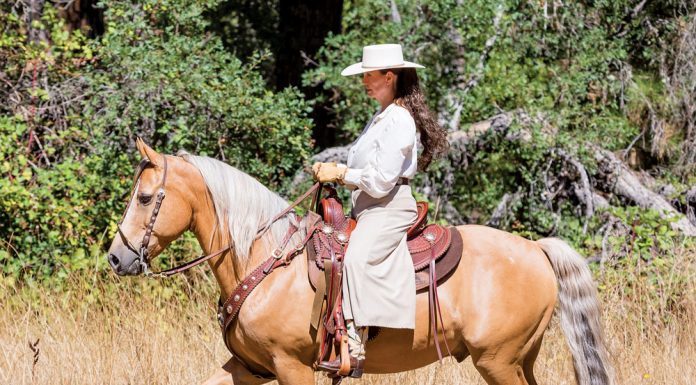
(392, 147)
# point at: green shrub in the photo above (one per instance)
(155, 74)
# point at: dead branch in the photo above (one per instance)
(691, 205)
(583, 189)
(396, 17)
(503, 209)
(623, 182)
(613, 176)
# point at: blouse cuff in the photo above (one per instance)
(352, 176)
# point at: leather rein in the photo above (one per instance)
(143, 251)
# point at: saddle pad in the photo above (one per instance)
(447, 259)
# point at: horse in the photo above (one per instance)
(496, 304)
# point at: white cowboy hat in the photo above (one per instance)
(380, 57)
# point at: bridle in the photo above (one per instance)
(143, 251)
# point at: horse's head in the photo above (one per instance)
(158, 212)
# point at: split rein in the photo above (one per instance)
(143, 250)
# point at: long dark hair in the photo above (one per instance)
(409, 95)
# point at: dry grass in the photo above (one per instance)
(132, 331)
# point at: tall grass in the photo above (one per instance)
(106, 330)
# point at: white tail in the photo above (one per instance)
(580, 313)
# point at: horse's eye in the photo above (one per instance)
(144, 199)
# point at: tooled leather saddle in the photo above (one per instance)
(435, 251)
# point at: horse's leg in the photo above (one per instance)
(497, 369)
(232, 373)
(293, 372)
(528, 364)
(508, 359)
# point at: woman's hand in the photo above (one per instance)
(328, 172)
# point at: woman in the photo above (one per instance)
(378, 283)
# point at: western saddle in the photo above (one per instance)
(435, 251)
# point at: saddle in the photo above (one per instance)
(435, 251)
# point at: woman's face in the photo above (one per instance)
(379, 86)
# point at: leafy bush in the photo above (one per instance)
(572, 65)
(67, 166)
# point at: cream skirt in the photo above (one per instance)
(379, 287)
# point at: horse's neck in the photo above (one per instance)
(227, 273)
(228, 269)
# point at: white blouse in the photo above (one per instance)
(384, 152)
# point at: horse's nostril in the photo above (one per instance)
(114, 260)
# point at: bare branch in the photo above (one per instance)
(475, 78)
(396, 17)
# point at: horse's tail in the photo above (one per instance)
(580, 314)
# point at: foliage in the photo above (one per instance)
(161, 77)
(640, 257)
(614, 73)
(572, 67)
(66, 137)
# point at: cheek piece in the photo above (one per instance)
(142, 251)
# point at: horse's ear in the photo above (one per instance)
(148, 153)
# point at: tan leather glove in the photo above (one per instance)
(329, 172)
(316, 166)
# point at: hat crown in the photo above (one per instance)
(382, 55)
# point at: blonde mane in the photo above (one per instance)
(242, 204)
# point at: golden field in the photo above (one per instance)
(106, 330)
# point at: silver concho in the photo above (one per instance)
(236, 297)
(430, 237)
(221, 319)
(326, 229)
(229, 309)
(244, 287)
(342, 237)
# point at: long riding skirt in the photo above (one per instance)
(379, 287)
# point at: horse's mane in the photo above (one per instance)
(242, 204)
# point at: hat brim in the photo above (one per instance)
(357, 68)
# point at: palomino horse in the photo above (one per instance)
(496, 305)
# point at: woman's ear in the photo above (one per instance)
(391, 79)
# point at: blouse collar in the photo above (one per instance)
(382, 114)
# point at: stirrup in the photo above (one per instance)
(345, 365)
(332, 367)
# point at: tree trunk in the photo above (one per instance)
(303, 27)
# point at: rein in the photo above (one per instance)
(143, 250)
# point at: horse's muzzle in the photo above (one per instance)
(124, 263)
